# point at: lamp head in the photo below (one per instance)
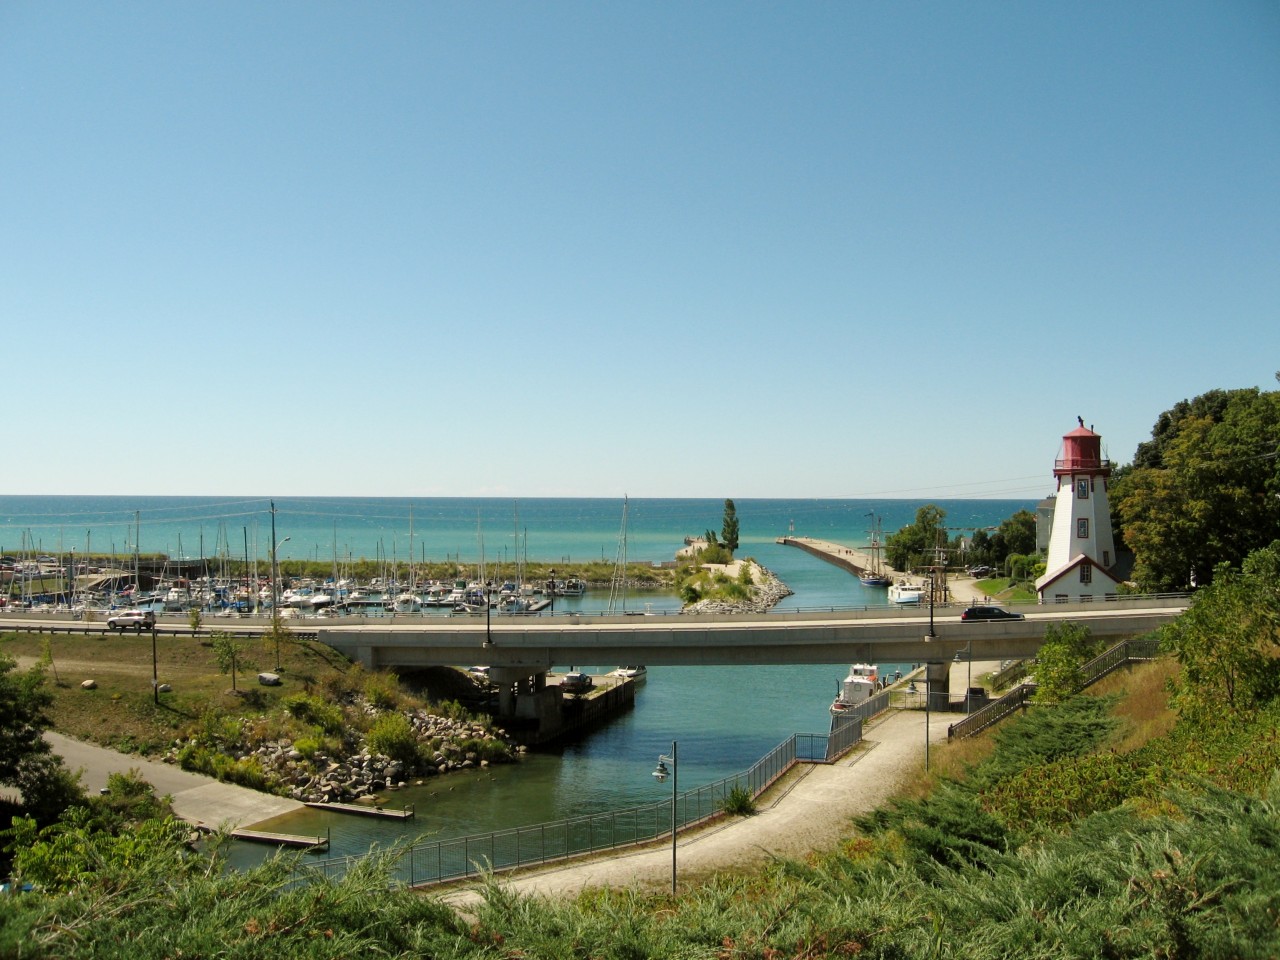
(660, 773)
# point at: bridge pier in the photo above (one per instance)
(938, 680)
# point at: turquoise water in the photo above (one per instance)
(548, 529)
(725, 718)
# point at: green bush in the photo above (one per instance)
(739, 802)
(382, 690)
(495, 751)
(393, 735)
(309, 709)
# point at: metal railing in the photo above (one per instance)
(992, 713)
(1124, 652)
(1016, 670)
(1127, 651)
(438, 861)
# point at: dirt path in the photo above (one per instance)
(810, 813)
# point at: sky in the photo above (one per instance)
(747, 249)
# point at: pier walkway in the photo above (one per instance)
(958, 589)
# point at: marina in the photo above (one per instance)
(607, 766)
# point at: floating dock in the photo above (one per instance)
(282, 839)
(361, 810)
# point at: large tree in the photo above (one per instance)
(1226, 642)
(914, 545)
(26, 760)
(1017, 534)
(1209, 489)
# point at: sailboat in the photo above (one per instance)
(875, 575)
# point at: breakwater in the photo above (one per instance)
(855, 561)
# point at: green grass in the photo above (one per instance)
(1004, 590)
(1101, 826)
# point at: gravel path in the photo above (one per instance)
(810, 813)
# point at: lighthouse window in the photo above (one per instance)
(1082, 489)
(1082, 527)
(1086, 573)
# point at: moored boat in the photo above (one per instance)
(905, 592)
(858, 687)
(636, 674)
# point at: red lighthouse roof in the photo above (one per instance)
(1082, 453)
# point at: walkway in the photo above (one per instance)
(810, 813)
(197, 799)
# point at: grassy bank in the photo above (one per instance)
(121, 712)
(1099, 827)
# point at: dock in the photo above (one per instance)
(362, 810)
(282, 839)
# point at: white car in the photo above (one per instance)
(137, 619)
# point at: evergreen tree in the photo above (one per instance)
(729, 529)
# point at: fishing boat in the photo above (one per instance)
(906, 593)
(858, 687)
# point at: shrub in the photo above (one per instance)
(392, 735)
(327, 716)
(739, 802)
(382, 690)
(495, 751)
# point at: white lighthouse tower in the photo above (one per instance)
(1082, 549)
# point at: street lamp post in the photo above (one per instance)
(660, 774)
(488, 613)
(155, 667)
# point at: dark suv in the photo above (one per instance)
(990, 613)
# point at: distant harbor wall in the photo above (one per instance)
(855, 561)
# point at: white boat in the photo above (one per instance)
(858, 687)
(636, 674)
(903, 592)
(408, 603)
(573, 587)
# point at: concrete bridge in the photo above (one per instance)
(536, 644)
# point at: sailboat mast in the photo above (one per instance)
(618, 585)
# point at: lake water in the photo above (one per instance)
(725, 718)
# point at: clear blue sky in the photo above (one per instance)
(586, 249)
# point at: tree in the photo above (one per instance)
(1226, 641)
(729, 529)
(1016, 534)
(1067, 647)
(1208, 492)
(914, 544)
(229, 654)
(26, 760)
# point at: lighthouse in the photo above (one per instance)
(1082, 549)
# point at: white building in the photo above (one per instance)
(1082, 550)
